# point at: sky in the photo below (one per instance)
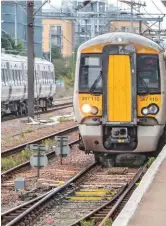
(150, 7)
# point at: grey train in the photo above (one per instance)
(14, 84)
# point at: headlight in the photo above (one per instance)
(119, 40)
(145, 111)
(94, 110)
(152, 109)
(86, 108)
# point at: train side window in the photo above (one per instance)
(7, 77)
(34, 76)
(3, 77)
(13, 77)
(47, 77)
(16, 81)
(26, 76)
(42, 77)
(18, 77)
(37, 77)
(52, 77)
(21, 77)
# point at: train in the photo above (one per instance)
(120, 95)
(14, 84)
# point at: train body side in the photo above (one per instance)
(15, 85)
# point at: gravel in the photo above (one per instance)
(50, 177)
(69, 211)
(16, 132)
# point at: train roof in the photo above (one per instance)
(11, 57)
(131, 38)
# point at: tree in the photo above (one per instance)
(61, 68)
(8, 43)
(64, 69)
(55, 53)
(5, 41)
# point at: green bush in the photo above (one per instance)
(108, 223)
(88, 223)
(150, 161)
(49, 142)
(26, 154)
(10, 162)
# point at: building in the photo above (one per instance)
(14, 23)
(57, 33)
(87, 28)
(102, 11)
(125, 26)
(83, 21)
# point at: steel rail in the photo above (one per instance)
(19, 148)
(26, 212)
(27, 164)
(53, 108)
(111, 206)
(127, 191)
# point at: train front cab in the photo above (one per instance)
(121, 98)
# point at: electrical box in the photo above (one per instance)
(19, 184)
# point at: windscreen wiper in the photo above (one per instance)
(93, 87)
(144, 84)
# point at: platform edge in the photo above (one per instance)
(132, 204)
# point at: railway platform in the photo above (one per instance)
(147, 205)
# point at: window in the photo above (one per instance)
(18, 76)
(44, 77)
(35, 77)
(52, 77)
(14, 79)
(25, 78)
(3, 77)
(90, 69)
(123, 29)
(148, 77)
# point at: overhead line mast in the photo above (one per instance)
(30, 51)
(134, 4)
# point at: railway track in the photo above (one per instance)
(16, 215)
(108, 211)
(52, 109)
(7, 174)
(19, 148)
(89, 189)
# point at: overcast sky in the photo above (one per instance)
(150, 8)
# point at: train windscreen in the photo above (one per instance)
(90, 69)
(148, 75)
